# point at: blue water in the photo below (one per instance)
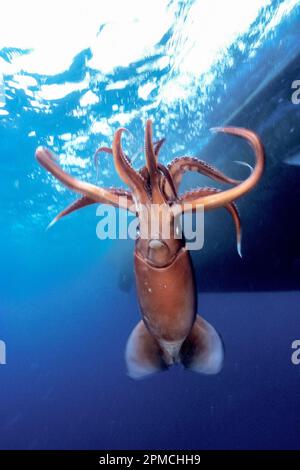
(67, 299)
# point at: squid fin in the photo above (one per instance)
(143, 354)
(203, 350)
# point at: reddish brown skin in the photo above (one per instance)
(155, 286)
(165, 281)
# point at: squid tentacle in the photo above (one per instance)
(181, 165)
(96, 157)
(213, 201)
(110, 151)
(85, 201)
(171, 192)
(152, 167)
(47, 160)
(157, 183)
(126, 171)
(231, 207)
(157, 145)
(143, 171)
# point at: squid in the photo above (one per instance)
(170, 330)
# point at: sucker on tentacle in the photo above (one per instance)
(181, 165)
(214, 201)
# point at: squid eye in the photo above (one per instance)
(156, 244)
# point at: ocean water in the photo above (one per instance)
(69, 79)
